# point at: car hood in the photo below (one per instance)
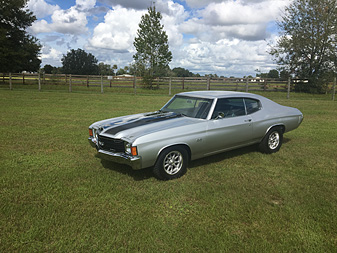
(134, 126)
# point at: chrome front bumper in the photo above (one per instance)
(135, 162)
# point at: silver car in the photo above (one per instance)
(190, 126)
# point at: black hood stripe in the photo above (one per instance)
(142, 122)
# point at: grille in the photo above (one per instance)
(109, 144)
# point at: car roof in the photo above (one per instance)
(218, 94)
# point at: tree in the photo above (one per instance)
(273, 73)
(48, 69)
(153, 54)
(114, 67)
(284, 75)
(307, 46)
(105, 69)
(181, 72)
(121, 72)
(19, 51)
(79, 62)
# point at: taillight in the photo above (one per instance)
(91, 133)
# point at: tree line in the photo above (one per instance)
(306, 48)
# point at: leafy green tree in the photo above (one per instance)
(153, 55)
(307, 46)
(48, 69)
(114, 67)
(284, 75)
(181, 72)
(120, 72)
(273, 73)
(79, 62)
(105, 69)
(19, 51)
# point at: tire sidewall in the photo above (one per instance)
(264, 145)
(158, 169)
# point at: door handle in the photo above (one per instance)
(248, 120)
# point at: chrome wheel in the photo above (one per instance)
(173, 162)
(274, 140)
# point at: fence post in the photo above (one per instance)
(288, 89)
(23, 78)
(334, 89)
(39, 80)
(265, 85)
(70, 88)
(170, 85)
(134, 83)
(10, 81)
(208, 83)
(102, 84)
(247, 84)
(183, 82)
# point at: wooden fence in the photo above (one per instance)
(168, 83)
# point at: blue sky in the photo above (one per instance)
(223, 37)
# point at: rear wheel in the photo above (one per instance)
(171, 163)
(272, 142)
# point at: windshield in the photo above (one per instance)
(189, 106)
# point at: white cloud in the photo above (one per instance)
(85, 4)
(204, 3)
(226, 57)
(50, 56)
(120, 26)
(236, 12)
(175, 14)
(227, 37)
(41, 9)
(52, 53)
(69, 21)
(234, 19)
(130, 4)
(118, 29)
(200, 3)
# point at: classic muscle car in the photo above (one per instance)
(190, 126)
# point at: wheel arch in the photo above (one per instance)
(183, 145)
(282, 126)
(266, 141)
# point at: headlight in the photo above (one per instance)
(128, 148)
(93, 132)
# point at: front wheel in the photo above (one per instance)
(272, 142)
(171, 163)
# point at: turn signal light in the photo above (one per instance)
(90, 133)
(134, 151)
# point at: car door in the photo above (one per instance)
(229, 126)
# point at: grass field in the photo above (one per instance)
(55, 195)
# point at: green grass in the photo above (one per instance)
(55, 195)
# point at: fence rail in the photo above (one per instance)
(168, 83)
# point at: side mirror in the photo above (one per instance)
(221, 115)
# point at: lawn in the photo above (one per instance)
(55, 195)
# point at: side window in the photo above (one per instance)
(252, 105)
(229, 107)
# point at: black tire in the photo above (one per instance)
(272, 141)
(171, 163)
